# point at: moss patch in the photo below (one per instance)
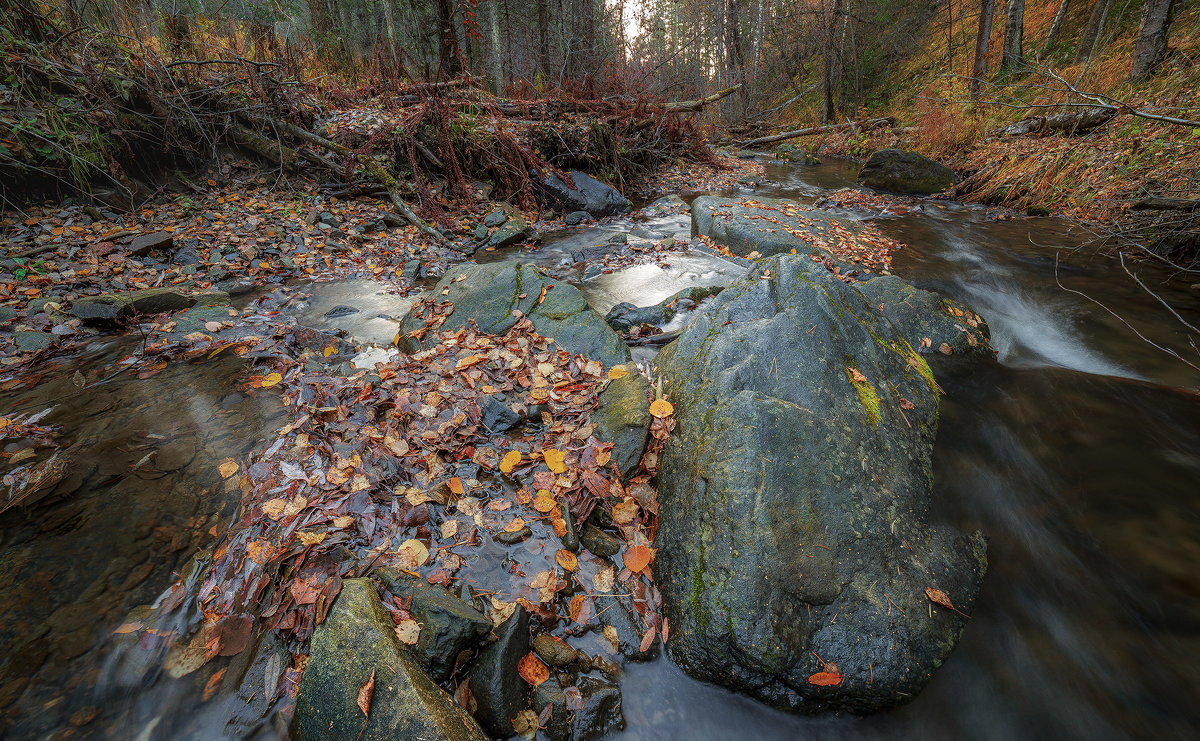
(867, 396)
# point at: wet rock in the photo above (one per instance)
(144, 244)
(490, 294)
(329, 220)
(112, 307)
(448, 625)
(556, 652)
(498, 416)
(802, 363)
(514, 230)
(905, 172)
(31, 341)
(745, 154)
(411, 269)
(670, 204)
(792, 152)
(481, 232)
(7, 313)
(576, 217)
(625, 316)
(495, 218)
(599, 715)
(588, 194)
(355, 640)
(186, 256)
(570, 538)
(623, 418)
(499, 691)
(505, 537)
(617, 612)
(746, 228)
(598, 542)
(338, 312)
(619, 238)
(930, 322)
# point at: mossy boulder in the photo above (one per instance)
(794, 498)
(767, 226)
(489, 294)
(114, 307)
(355, 640)
(623, 418)
(930, 322)
(905, 172)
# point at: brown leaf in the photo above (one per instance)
(637, 558)
(364, 694)
(532, 670)
(938, 597)
(648, 639)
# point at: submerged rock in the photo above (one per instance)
(448, 625)
(576, 217)
(588, 194)
(794, 496)
(597, 712)
(355, 640)
(490, 294)
(905, 172)
(768, 226)
(497, 687)
(112, 307)
(626, 316)
(930, 322)
(514, 230)
(623, 418)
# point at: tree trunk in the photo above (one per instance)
(448, 61)
(496, 62)
(1151, 46)
(318, 15)
(831, 63)
(1014, 31)
(1091, 34)
(1056, 25)
(982, 43)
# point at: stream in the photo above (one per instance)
(1077, 454)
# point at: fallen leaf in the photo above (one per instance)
(625, 512)
(637, 558)
(511, 460)
(555, 460)
(311, 538)
(260, 551)
(856, 376)
(825, 679)
(364, 694)
(456, 486)
(449, 529)
(648, 639)
(662, 408)
(532, 670)
(343, 521)
(544, 502)
(273, 508)
(415, 550)
(514, 525)
(227, 468)
(603, 581)
(938, 597)
(610, 634)
(616, 372)
(408, 631)
(526, 724)
(567, 560)
(270, 380)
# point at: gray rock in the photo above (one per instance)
(29, 341)
(499, 691)
(491, 292)
(340, 311)
(111, 307)
(905, 172)
(495, 218)
(589, 195)
(670, 203)
(355, 640)
(329, 220)
(411, 269)
(623, 418)
(144, 244)
(625, 316)
(617, 612)
(794, 495)
(448, 625)
(619, 238)
(761, 228)
(514, 230)
(599, 716)
(481, 232)
(576, 217)
(498, 416)
(927, 320)
(186, 256)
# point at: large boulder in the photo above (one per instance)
(114, 307)
(768, 226)
(495, 682)
(623, 418)
(490, 293)
(905, 172)
(930, 322)
(355, 641)
(588, 194)
(794, 496)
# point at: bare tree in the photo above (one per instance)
(1014, 32)
(1056, 24)
(1151, 46)
(987, 9)
(1091, 34)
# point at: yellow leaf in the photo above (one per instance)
(617, 371)
(544, 502)
(273, 508)
(555, 460)
(227, 468)
(514, 525)
(271, 379)
(343, 521)
(567, 560)
(311, 538)
(511, 460)
(662, 408)
(260, 551)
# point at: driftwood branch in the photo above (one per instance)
(872, 123)
(1160, 203)
(695, 105)
(1068, 122)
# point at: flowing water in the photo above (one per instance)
(1077, 453)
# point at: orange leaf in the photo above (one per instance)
(511, 460)
(825, 679)
(637, 558)
(624, 512)
(555, 460)
(662, 408)
(456, 485)
(567, 560)
(532, 670)
(364, 694)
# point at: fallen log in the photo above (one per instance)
(695, 105)
(873, 123)
(1071, 122)
(1162, 203)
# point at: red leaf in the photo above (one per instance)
(825, 679)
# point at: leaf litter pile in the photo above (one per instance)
(396, 468)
